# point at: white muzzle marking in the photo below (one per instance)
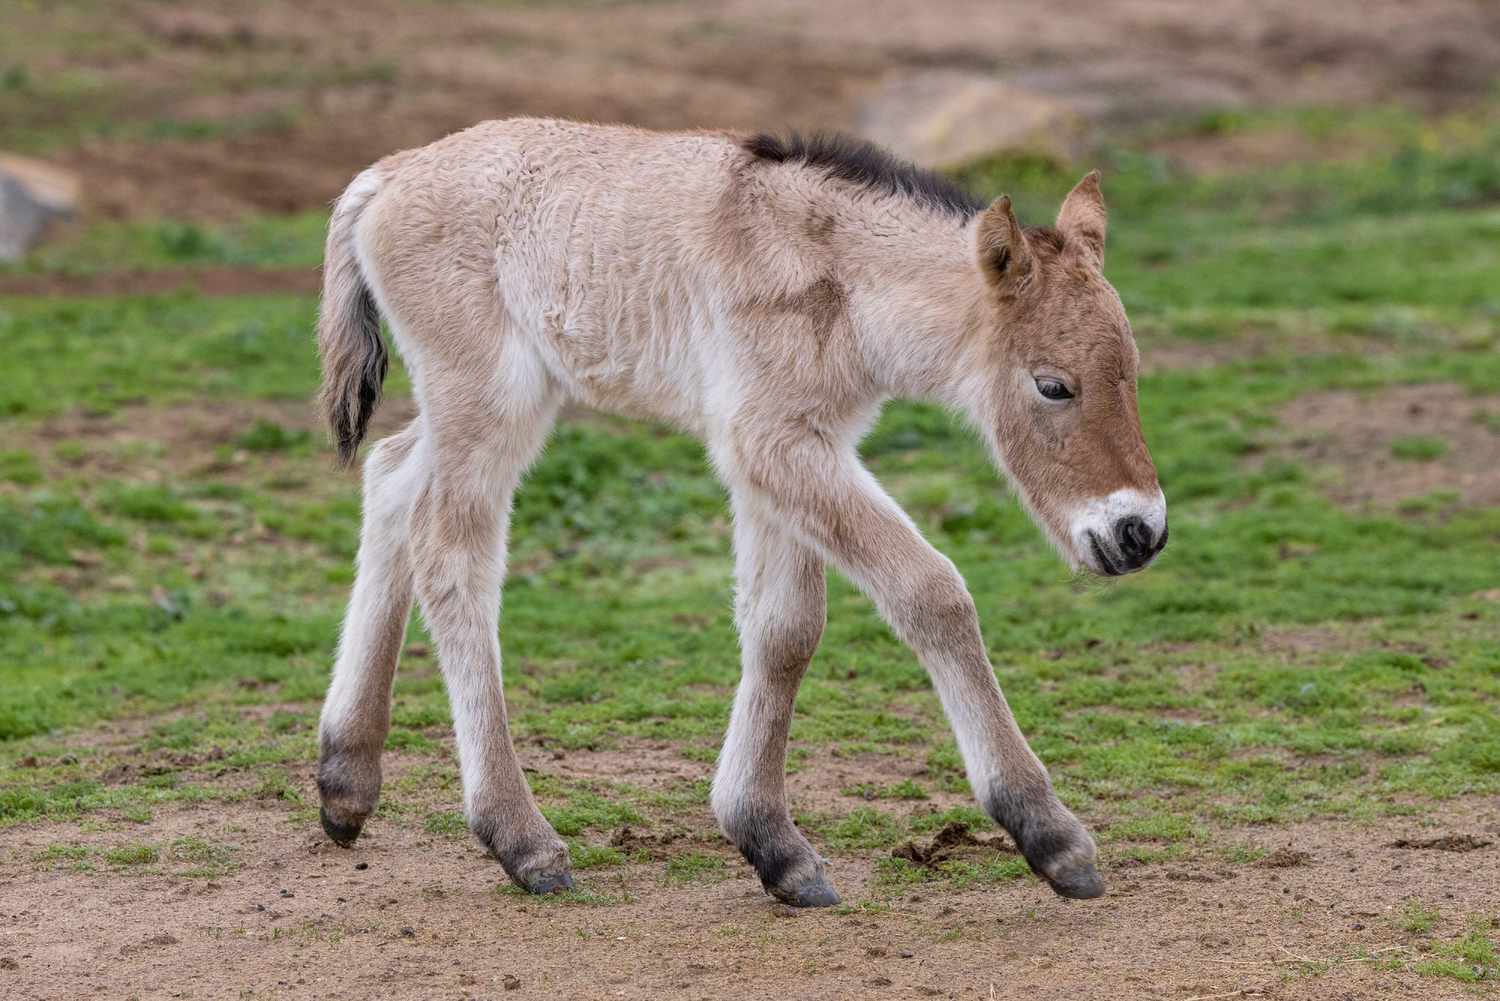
(1094, 524)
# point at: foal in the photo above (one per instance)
(767, 295)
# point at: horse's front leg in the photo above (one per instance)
(821, 493)
(780, 608)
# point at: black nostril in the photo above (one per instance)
(1135, 539)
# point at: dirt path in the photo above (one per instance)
(414, 915)
(204, 281)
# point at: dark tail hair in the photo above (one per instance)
(349, 342)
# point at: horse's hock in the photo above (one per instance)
(33, 195)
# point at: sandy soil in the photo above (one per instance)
(412, 915)
(307, 93)
(1354, 437)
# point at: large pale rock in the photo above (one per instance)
(32, 196)
(945, 118)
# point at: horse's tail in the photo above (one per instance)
(349, 342)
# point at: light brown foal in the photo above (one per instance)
(768, 295)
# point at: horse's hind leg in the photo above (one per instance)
(780, 609)
(357, 711)
(487, 421)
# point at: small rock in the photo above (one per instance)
(408, 932)
(510, 982)
(6, 963)
(878, 982)
(946, 118)
(361, 866)
(906, 954)
(287, 893)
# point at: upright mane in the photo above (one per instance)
(867, 166)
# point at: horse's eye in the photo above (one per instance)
(1053, 389)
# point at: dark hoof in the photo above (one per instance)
(340, 834)
(1082, 883)
(816, 893)
(543, 883)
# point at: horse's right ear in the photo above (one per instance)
(1004, 255)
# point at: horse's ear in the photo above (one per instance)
(1082, 218)
(1004, 255)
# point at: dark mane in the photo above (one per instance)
(867, 166)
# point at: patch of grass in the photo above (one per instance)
(204, 859)
(861, 829)
(132, 855)
(62, 852)
(586, 856)
(1471, 959)
(1417, 448)
(449, 823)
(579, 896)
(695, 867)
(1418, 918)
(20, 467)
(894, 873)
(268, 436)
(585, 811)
(294, 241)
(905, 789)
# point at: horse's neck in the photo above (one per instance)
(918, 310)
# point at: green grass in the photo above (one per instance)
(1417, 917)
(696, 867)
(1419, 449)
(191, 586)
(294, 241)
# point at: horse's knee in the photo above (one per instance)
(938, 611)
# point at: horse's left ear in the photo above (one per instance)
(1004, 255)
(1082, 218)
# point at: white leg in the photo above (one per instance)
(482, 443)
(780, 609)
(820, 492)
(357, 710)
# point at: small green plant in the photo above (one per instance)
(206, 859)
(268, 436)
(1471, 959)
(1417, 918)
(449, 823)
(20, 467)
(1418, 448)
(586, 856)
(62, 852)
(132, 855)
(695, 867)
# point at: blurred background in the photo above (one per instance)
(1284, 735)
(214, 110)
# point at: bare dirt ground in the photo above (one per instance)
(1372, 443)
(204, 281)
(285, 101)
(407, 914)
